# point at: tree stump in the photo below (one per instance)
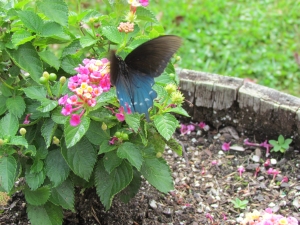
(251, 108)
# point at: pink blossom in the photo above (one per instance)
(241, 170)
(144, 2)
(26, 120)
(226, 146)
(267, 163)
(120, 116)
(267, 146)
(75, 120)
(63, 100)
(67, 110)
(202, 125)
(246, 142)
(285, 179)
(214, 162)
(186, 129)
(113, 140)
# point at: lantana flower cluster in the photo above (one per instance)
(92, 80)
(267, 217)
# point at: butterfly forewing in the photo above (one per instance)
(152, 57)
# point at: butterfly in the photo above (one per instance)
(134, 76)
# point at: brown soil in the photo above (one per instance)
(201, 189)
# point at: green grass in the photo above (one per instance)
(253, 39)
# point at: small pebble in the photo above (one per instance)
(153, 204)
(273, 161)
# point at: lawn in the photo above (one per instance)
(246, 39)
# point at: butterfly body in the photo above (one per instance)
(134, 76)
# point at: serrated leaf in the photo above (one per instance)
(16, 105)
(34, 180)
(108, 185)
(96, 135)
(72, 48)
(106, 147)
(56, 167)
(179, 110)
(157, 173)
(132, 189)
(87, 41)
(37, 197)
(69, 62)
(56, 10)
(133, 121)
(35, 92)
(175, 146)
(52, 29)
(30, 150)
(164, 79)
(132, 153)
(47, 105)
(113, 34)
(48, 130)
(81, 158)
(157, 141)
(8, 168)
(50, 58)
(21, 37)
(26, 58)
(57, 117)
(9, 125)
(19, 140)
(31, 20)
(3, 107)
(166, 125)
(143, 13)
(74, 134)
(63, 195)
(111, 161)
(48, 214)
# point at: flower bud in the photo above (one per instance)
(22, 131)
(1, 141)
(55, 141)
(177, 98)
(46, 75)
(158, 155)
(62, 80)
(104, 126)
(170, 88)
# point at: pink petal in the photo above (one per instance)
(75, 120)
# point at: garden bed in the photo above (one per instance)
(234, 110)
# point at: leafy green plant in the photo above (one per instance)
(61, 124)
(239, 204)
(281, 145)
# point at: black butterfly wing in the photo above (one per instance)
(152, 57)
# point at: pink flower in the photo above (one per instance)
(241, 170)
(75, 120)
(186, 129)
(285, 179)
(226, 146)
(202, 125)
(63, 100)
(267, 163)
(26, 120)
(144, 2)
(67, 110)
(214, 162)
(113, 140)
(267, 146)
(120, 116)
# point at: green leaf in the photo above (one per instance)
(26, 58)
(36, 92)
(166, 125)
(106, 147)
(9, 125)
(50, 58)
(81, 158)
(72, 49)
(3, 107)
(19, 140)
(63, 195)
(108, 185)
(145, 14)
(111, 161)
(96, 135)
(157, 141)
(157, 173)
(57, 117)
(87, 41)
(132, 153)
(179, 110)
(34, 180)
(175, 146)
(133, 121)
(74, 134)
(52, 29)
(113, 34)
(31, 20)
(31, 150)
(21, 37)
(56, 10)
(48, 214)
(280, 140)
(132, 189)
(56, 167)
(47, 105)
(16, 105)
(37, 197)
(69, 63)
(48, 130)
(8, 168)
